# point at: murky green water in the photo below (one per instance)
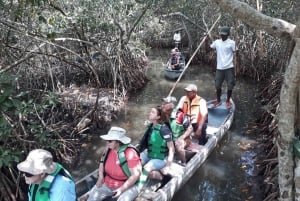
(227, 175)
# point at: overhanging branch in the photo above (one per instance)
(247, 14)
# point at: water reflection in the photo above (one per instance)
(226, 175)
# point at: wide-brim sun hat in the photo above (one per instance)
(116, 133)
(191, 87)
(37, 162)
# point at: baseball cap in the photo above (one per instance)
(224, 30)
(191, 87)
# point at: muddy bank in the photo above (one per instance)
(95, 108)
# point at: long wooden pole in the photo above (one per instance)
(187, 65)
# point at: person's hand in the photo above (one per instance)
(206, 35)
(198, 132)
(180, 139)
(146, 123)
(117, 192)
(165, 170)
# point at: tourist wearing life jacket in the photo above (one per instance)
(157, 147)
(195, 107)
(180, 126)
(114, 179)
(48, 180)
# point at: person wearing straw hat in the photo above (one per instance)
(225, 48)
(48, 180)
(119, 169)
(180, 126)
(195, 107)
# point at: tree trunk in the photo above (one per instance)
(289, 175)
(286, 126)
(249, 15)
(261, 48)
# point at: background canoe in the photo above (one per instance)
(174, 74)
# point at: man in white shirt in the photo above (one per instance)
(225, 48)
(177, 39)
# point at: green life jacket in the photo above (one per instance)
(157, 146)
(123, 162)
(41, 192)
(177, 129)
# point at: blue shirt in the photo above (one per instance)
(62, 189)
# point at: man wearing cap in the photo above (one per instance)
(195, 107)
(48, 180)
(225, 48)
(180, 126)
(119, 169)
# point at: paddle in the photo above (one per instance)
(187, 65)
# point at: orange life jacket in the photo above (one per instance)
(192, 109)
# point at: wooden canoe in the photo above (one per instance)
(219, 122)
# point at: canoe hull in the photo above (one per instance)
(220, 120)
(172, 74)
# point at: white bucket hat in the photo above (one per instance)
(37, 162)
(117, 133)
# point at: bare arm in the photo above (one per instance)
(188, 132)
(135, 174)
(100, 180)
(170, 157)
(170, 153)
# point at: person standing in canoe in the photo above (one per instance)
(119, 169)
(177, 39)
(195, 107)
(180, 126)
(225, 48)
(157, 147)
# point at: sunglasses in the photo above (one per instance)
(26, 174)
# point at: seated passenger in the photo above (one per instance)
(180, 126)
(157, 147)
(195, 106)
(174, 62)
(116, 180)
(48, 180)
